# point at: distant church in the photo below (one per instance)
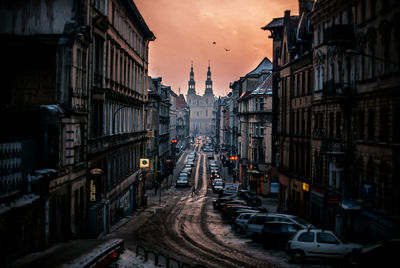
(202, 110)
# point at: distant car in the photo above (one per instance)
(277, 234)
(318, 243)
(218, 186)
(378, 254)
(182, 182)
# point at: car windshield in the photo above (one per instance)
(218, 183)
(341, 239)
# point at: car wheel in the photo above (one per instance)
(297, 256)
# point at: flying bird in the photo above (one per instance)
(214, 43)
(227, 49)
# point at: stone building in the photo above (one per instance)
(254, 126)
(118, 92)
(202, 108)
(182, 123)
(356, 112)
(293, 88)
(44, 118)
(158, 125)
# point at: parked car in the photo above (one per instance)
(235, 214)
(377, 254)
(226, 214)
(182, 182)
(320, 244)
(232, 203)
(240, 221)
(254, 225)
(187, 170)
(290, 218)
(252, 199)
(217, 203)
(276, 234)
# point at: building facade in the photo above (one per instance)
(255, 127)
(202, 108)
(182, 123)
(44, 111)
(355, 157)
(293, 88)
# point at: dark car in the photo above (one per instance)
(218, 203)
(251, 199)
(378, 254)
(226, 214)
(277, 234)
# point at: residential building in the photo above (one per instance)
(182, 123)
(356, 107)
(172, 125)
(44, 114)
(255, 126)
(293, 88)
(118, 92)
(158, 122)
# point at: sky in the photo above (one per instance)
(186, 30)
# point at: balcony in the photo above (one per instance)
(109, 141)
(339, 35)
(332, 89)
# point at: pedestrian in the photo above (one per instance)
(193, 190)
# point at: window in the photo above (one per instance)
(306, 237)
(372, 8)
(363, 10)
(361, 125)
(112, 63)
(383, 128)
(326, 238)
(331, 124)
(371, 125)
(396, 125)
(338, 124)
(98, 60)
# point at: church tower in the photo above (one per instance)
(208, 82)
(192, 83)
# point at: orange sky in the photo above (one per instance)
(186, 29)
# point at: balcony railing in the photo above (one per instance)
(339, 35)
(332, 89)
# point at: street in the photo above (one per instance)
(186, 229)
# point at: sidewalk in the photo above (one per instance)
(75, 253)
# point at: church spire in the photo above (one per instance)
(209, 89)
(192, 83)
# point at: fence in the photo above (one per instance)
(162, 260)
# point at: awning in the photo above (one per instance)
(350, 205)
